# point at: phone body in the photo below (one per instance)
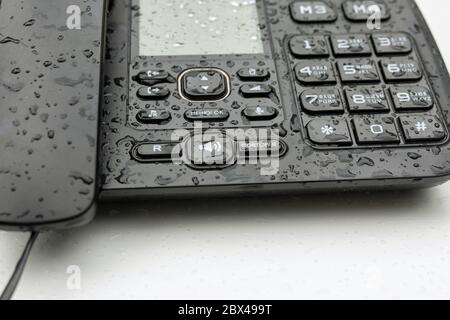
(237, 98)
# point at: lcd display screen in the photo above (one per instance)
(199, 27)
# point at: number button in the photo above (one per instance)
(364, 10)
(253, 74)
(312, 11)
(329, 131)
(373, 130)
(367, 100)
(322, 101)
(401, 70)
(153, 93)
(422, 128)
(392, 43)
(315, 72)
(358, 70)
(412, 98)
(351, 45)
(309, 46)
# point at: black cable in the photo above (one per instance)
(8, 292)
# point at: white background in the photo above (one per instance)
(388, 245)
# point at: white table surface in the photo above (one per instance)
(388, 245)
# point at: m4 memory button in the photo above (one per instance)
(207, 114)
(260, 113)
(422, 128)
(329, 131)
(364, 10)
(375, 129)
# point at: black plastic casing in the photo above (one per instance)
(49, 116)
(50, 88)
(304, 167)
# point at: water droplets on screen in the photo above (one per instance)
(199, 27)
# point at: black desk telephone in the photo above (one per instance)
(164, 98)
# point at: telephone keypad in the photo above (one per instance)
(371, 82)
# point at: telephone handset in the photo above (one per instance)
(213, 98)
(50, 88)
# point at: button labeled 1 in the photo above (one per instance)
(309, 46)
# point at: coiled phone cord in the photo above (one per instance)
(10, 288)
